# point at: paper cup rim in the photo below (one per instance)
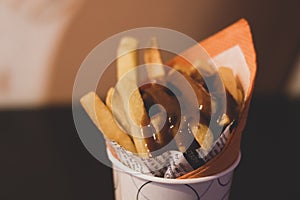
(121, 166)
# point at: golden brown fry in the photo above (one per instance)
(196, 71)
(203, 97)
(125, 63)
(118, 113)
(109, 96)
(141, 146)
(103, 119)
(156, 94)
(153, 61)
(203, 135)
(122, 120)
(130, 100)
(137, 109)
(229, 80)
(191, 72)
(205, 68)
(158, 121)
(186, 69)
(240, 99)
(235, 96)
(115, 103)
(224, 120)
(127, 56)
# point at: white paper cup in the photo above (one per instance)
(132, 185)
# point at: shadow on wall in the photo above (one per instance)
(273, 24)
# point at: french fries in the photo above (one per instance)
(103, 119)
(127, 56)
(202, 95)
(234, 95)
(127, 106)
(108, 99)
(135, 112)
(153, 61)
(155, 94)
(203, 136)
(229, 81)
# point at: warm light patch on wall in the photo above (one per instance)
(293, 88)
(5, 78)
(30, 35)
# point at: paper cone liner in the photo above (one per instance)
(237, 34)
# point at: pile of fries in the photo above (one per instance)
(142, 131)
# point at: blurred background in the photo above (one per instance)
(43, 43)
